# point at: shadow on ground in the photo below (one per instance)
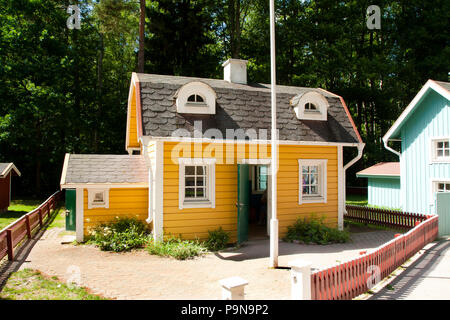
(21, 253)
(404, 284)
(258, 249)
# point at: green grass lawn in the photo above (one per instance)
(17, 209)
(356, 200)
(29, 284)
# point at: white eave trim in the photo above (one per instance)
(146, 139)
(10, 167)
(103, 185)
(429, 85)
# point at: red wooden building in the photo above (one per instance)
(7, 170)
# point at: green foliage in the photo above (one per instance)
(217, 239)
(314, 231)
(66, 90)
(30, 284)
(123, 234)
(176, 248)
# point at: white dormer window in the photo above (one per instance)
(196, 98)
(310, 106)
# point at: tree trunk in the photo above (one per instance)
(141, 58)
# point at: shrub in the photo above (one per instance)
(314, 231)
(176, 248)
(217, 239)
(123, 234)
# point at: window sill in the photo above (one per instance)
(196, 204)
(445, 160)
(312, 200)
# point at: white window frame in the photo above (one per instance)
(256, 178)
(208, 106)
(322, 181)
(434, 187)
(433, 153)
(91, 196)
(210, 201)
(313, 97)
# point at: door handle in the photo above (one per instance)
(67, 212)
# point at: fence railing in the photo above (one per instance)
(383, 217)
(25, 226)
(350, 279)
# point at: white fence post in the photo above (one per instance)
(233, 288)
(300, 279)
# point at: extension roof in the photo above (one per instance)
(85, 169)
(382, 169)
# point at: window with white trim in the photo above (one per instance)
(260, 179)
(443, 186)
(312, 180)
(440, 150)
(196, 183)
(98, 198)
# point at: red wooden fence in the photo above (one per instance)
(25, 226)
(350, 279)
(383, 217)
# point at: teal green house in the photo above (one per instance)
(383, 184)
(420, 137)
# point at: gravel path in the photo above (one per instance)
(138, 275)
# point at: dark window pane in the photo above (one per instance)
(189, 170)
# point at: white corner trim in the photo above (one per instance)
(210, 201)
(322, 163)
(341, 187)
(158, 216)
(79, 216)
(91, 196)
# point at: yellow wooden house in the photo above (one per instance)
(199, 157)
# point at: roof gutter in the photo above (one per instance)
(150, 180)
(360, 147)
(385, 142)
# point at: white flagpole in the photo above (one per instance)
(274, 148)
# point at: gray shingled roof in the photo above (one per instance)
(96, 168)
(3, 166)
(239, 107)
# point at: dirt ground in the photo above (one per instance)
(138, 275)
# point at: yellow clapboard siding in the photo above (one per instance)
(190, 222)
(123, 202)
(132, 130)
(198, 215)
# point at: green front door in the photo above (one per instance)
(243, 202)
(443, 211)
(71, 200)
